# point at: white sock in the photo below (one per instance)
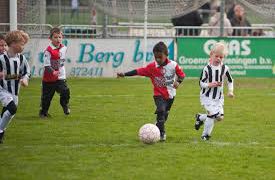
(203, 117)
(208, 126)
(5, 120)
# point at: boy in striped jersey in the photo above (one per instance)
(166, 76)
(211, 94)
(14, 71)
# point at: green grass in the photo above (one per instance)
(99, 139)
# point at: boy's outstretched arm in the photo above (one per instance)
(144, 71)
(129, 73)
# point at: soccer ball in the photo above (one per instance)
(149, 133)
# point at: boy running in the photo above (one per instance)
(211, 94)
(163, 73)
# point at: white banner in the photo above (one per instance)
(96, 57)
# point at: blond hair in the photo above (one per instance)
(16, 36)
(219, 48)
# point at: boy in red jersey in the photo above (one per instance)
(54, 77)
(163, 73)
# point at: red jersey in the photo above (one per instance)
(162, 77)
(54, 57)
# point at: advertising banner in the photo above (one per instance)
(96, 57)
(247, 57)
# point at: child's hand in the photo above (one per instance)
(24, 82)
(56, 73)
(120, 75)
(2, 75)
(176, 84)
(214, 84)
(230, 94)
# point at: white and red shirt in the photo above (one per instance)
(162, 77)
(54, 57)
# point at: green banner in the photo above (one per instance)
(247, 57)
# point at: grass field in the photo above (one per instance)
(99, 139)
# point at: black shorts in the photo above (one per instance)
(163, 105)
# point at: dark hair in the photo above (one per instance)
(160, 47)
(2, 37)
(54, 30)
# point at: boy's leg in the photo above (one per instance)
(161, 114)
(7, 114)
(169, 104)
(199, 119)
(213, 113)
(48, 90)
(64, 92)
(9, 102)
(208, 127)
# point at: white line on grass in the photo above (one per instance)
(217, 143)
(133, 95)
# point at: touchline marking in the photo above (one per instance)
(217, 143)
(133, 95)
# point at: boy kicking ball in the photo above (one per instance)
(211, 94)
(163, 73)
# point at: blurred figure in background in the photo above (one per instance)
(215, 22)
(75, 5)
(191, 19)
(239, 20)
(229, 8)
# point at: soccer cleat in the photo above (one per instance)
(205, 138)
(162, 137)
(2, 137)
(66, 110)
(198, 122)
(44, 115)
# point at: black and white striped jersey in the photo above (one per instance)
(212, 73)
(15, 68)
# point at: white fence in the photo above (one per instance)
(136, 30)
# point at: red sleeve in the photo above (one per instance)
(144, 71)
(179, 72)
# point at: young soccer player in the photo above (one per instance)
(54, 77)
(211, 94)
(14, 71)
(3, 44)
(166, 76)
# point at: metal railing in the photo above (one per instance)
(207, 31)
(82, 31)
(34, 30)
(136, 30)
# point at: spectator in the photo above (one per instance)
(239, 20)
(191, 19)
(74, 4)
(215, 22)
(205, 12)
(258, 32)
(93, 19)
(229, 6)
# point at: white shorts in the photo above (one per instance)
(6, 97)
(212, 106)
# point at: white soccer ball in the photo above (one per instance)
(149, 133)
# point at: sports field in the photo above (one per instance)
(99, 139)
